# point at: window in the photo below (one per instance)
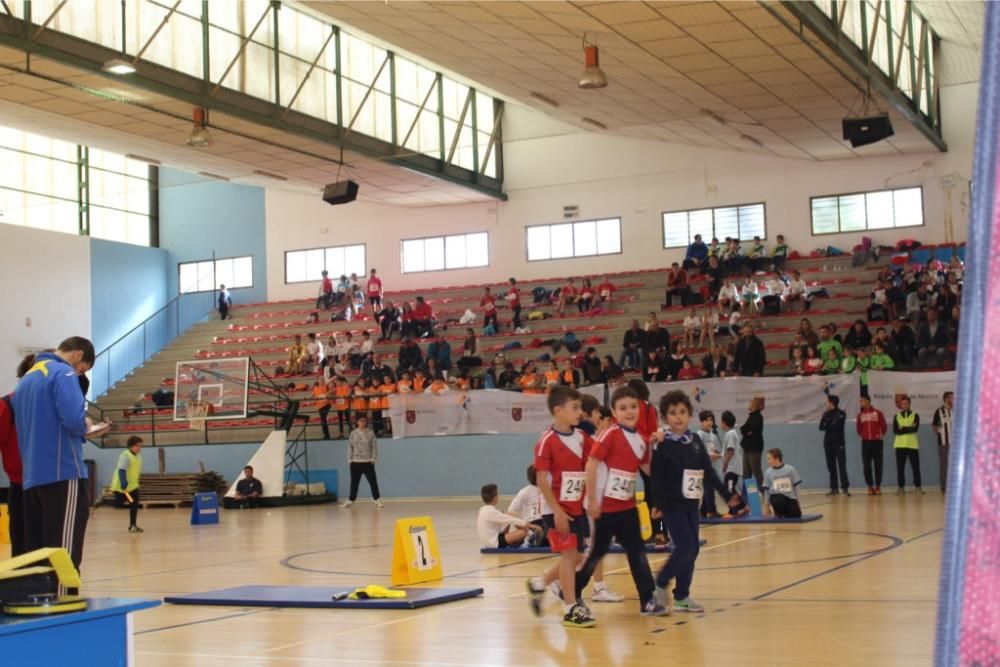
(574, 239)
(738, 222)
(207, 275)
(861, 211)
(305, 266)
(438, 253)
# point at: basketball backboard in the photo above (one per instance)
(220, 382)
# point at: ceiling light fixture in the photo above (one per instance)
(119, 66)
(269, 175)
(200, 136)
(545, 99)
(714, 117)
(214, 177)
(592, 76)
(147, 160)
(594, 123)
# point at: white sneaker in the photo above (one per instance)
(556, 589)
(606, 595)
(347, 504)
(378, 503)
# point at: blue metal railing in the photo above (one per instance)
(149, 337)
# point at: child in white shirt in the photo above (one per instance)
(750, 295)
(692, 323)
(709, 323)
(496, 529)
(732, 459)
(527, 504)
(710, 438)
(729, 297)
(367, 344)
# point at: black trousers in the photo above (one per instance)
(516, 321)
(368, 470)
(682, 292)
(583, 305)
(871, 461)
(55, 515)
(836, 461)
(223, 312)
(133, 508)
(751, 467)
(324, 413)
(732, 482)
(624, 527)
(785, 507)
(902, 456)
(491, 317)
(943, 460)
(388, 326)
(15, 511)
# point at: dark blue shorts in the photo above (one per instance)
(578, 525)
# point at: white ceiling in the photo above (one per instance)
(70, 104)
(960, 25)
(666, 63)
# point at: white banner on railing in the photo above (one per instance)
(787, 400)
(484, 412)
(924, 389)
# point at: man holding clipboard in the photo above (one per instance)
(125, 481)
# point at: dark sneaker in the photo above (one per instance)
(579, 617)
(846, 492)
(535, 596)
(654, 608)
(135, 529)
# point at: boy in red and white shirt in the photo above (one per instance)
(615, 461)
(605, 291)
(567, 295)
(560, 458)
(374, 290)
(488, 302)
(514, 302)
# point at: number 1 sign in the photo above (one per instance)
(415, 555)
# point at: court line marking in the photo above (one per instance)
(708, 548)
(204, 620)
(229, 657)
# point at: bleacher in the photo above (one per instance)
(264, 331)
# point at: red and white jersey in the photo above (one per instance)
(620, 451)
(563, 458)
(488, 302)
(375, 285)
(568, 290)
(513, 297)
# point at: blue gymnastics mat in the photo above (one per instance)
(320, 597)
(615, 549)
(806, 518)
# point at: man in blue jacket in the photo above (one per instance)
(51, 427)
(834, 444)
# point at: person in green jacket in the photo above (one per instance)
(125, 481)
(849, 362)
(831, 363)
(905, 425)
(863, 362)
(827, 342)
(880, 361)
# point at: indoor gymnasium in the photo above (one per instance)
(540, 332)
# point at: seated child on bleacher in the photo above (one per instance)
(419, 381)
(552, 374)
(438, 386)
(780, 487)
(605, 291)
(496, 529)
(297, 357)
(405, 384)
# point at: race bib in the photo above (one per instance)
(572, 487)
(782, 485)
(693, 485)
(621, 485)
(605, 293)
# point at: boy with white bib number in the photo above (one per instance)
(781, 487)
(612, 470)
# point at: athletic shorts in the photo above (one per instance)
(502, 540)
(578, 525)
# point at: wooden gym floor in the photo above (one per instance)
(857, 587)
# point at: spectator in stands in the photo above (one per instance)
(956, 313)
(729, 295)
(488, 303)
(756, 256)
(831, 362)
(567, 295)
(375, 366)
(751, 357)
(374, 289)
(224, 302)
(470, 350)
(440, 351)
(947, 301)
(780, 253)
(657, 337)
(902, 342)
(605, 291)
(514, 303)
(423, 319)
(367, 344)
(248, 490)
(430, 367)
(734, 258)
(410, 357)
(714, 363)
(827, 343)
(585, 300)
(389, 320)
(314, 352)
(632, 346)
(714, 249)
(749, 296)
(677, 284)
(932, 339)
(807, 331)
(406, 329)
(591, 367)
(881, 336)
(325, 298)
(610, 371)
(346, 347)
(796, 292)
(330, 351)
(796, 361)
(297, 357)
(675, 362)
(569, 377)
(753, 441)
(654, 366)
(879, 308)
(697, 254)
(692, 327)
(916, 303)
(859, 336)
(880, 361)
(709, 324)
(508, 377)
(813, 364)
(713, 271)
(775, 294)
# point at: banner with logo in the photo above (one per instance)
(924, 389)
(787, 400)
(485, 412)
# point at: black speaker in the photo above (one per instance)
(341, 192)
(867, 130)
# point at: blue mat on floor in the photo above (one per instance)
(320, 597)
(806, 518)
(615, 549)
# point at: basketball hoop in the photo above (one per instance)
(197, 413)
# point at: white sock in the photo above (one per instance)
(567, 606)
(538, 583)
(599, 586)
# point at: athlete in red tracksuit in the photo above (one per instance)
(872, 429)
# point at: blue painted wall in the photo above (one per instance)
(128, 283)
(199, 216)
(460, 465)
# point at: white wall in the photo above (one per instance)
(549, 165)
(45, 277)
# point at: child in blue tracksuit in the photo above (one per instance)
(681, 465)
